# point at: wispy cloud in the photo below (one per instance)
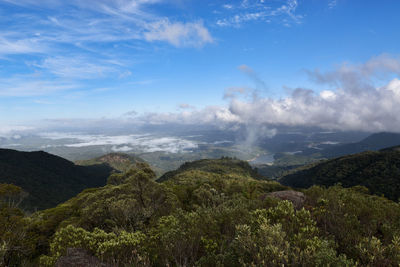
(178, 34)
(332, 4)
(13, 46)
(78, 67)
(103, 21)
(227, 6)
(28, 85)
(65, 42)
(260, 84)
(265, 11)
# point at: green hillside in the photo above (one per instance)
(223, 165)
(118, 161)
(48, 179)
(379, 171)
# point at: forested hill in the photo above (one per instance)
(218, 166)
(118, 161)
(379, 171)
(47, 178)
(200, 217)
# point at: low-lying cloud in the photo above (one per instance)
(125, 143)
(7, 131)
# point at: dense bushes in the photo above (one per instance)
(115, 248)
(201, 218)
(364, 227)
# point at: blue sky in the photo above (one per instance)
(177, 59)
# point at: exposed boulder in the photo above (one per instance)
(297, 198)
(78, 257)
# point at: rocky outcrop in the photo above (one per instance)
(297, 198)
(78, 257)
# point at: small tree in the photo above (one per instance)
(12, 224)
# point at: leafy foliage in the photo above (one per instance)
(211, 214)
(224, 165)
(12, 225)
(115, 248)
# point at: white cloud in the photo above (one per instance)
(186, 106)
(327, 94)
(121, 148)
(332, 4)
(12, 130)
(354, 102)
(124, 143)
(227, 6)
(178, 33)
(214, 115)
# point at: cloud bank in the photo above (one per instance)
(351, 97)
(363, 97)
(125, 143)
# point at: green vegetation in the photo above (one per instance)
(378, 171)
(207, 213)
(288, 160)
(285, 163)
(118, 161)
(224, 165)
(48, 179)
(163, 162)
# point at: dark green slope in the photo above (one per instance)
(217, 166)
(48, 179)
(379, 171)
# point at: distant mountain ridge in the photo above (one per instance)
(47, 178)
(379, 171)
(373, 142)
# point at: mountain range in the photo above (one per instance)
(373, 142)
(50, 180)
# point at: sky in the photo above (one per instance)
(328, 63)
